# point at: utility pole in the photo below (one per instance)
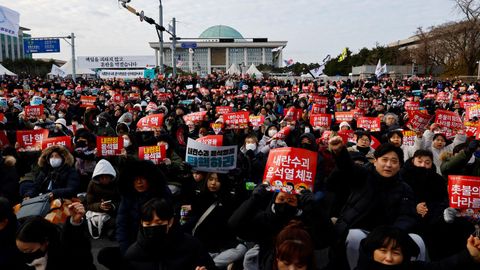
(160, 44)
(174, 45)
(74, 71)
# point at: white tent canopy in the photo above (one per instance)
(234, 70)
(4, 71)
(67, 68)
(252, 70)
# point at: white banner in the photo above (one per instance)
(57, 71)
(120, 74)
(9, 22)
(94, 62)
(207, 158)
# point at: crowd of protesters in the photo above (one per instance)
(377, 202)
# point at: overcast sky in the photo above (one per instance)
(313, 28)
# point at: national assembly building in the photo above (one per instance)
(217, 48)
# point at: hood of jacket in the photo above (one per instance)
(104, 167)
(63, 151)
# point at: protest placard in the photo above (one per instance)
(412, 106)
(290, 170)
(213, 140)
(369, 123)
(362, 104)
(195, 117)
(317, 108)
(321, 120)
(109, 146)
(31, 140)
(34, 111)
(156, 153)
(448, 119)
(223, 109)
(256, 120)
(87, 101)
(282, 134)
(217, 127)
(471, 112)
(464, 194)
(344, 116)
(209, 158)
(409, 137)
(150, 122)
(65, 141)
(236, 120)
(418, 121)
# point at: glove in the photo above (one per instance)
(306, 197)
(449, 214)
(472, 146)
(260, 191)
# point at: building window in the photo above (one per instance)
(254, 56)
(268, 56)
(236, 56)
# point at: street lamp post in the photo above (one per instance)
(160, 44)
(478, 72)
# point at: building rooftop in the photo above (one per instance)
(221, 31)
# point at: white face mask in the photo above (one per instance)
(272, 132)
(251, 146)
(55, 162)
(61, 115)
(307, 130)
(126, 143)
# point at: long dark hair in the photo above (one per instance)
(39, 230)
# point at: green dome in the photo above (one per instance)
(221, 31)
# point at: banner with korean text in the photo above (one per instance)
(150, 122)
(213, 140)
(65, 141)
(290, 170)
(236, 120)
(344, 116)
(207, 158)
(369, 123)
(195, 117)
(321, 120)
(448, 119)
(418, 121)
(109, 146)
(156, 153)
(34, 111)
(464, 194)
(88, 101)
(256, 120)
(31, 140)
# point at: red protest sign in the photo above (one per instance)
(292, 114)
(290, 170)
(256, 120)
(109, 146)
(156, 153)
(443, 97)
(223, 109)
(375, 142)
(467, 105)
(472, 111)
(34, 111)
(317, 108)
(65, 141)
(117, 98)
(282, 134)
(150, 122)
(347, 136)
(87, 101)
(362, 104)
(412, 106)
(321, 120)
(369, 123)
(62, 105)
(217, 127)
(213, 140)
(344, 116)
(237, 120)
(418, 121)
(464, 191)
(471, 128)
(448, 119)
(195, 117)
(31, 140)
(2, 117)
(320, 100)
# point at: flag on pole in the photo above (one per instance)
(288, 62)
(380, 70)
(9, 22)
(316, 72)
(179, 62)
(278, 49)
(343, 55)
(56, 71)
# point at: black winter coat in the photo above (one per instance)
(374, 200)
(179, 252)
(65, 183)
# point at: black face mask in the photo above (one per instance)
(306, 146)
(30, 257)
(363, 150)
(285, 210)
(81, 144)
(156, 234)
